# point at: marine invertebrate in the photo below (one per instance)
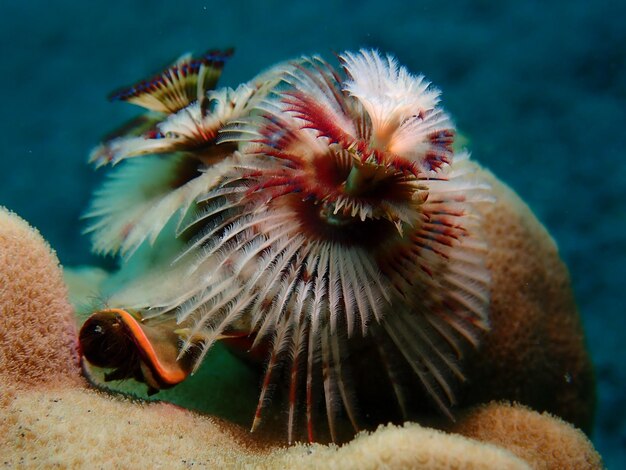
(281, 257)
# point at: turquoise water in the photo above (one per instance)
(538, 87)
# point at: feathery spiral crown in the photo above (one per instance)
(343, 219)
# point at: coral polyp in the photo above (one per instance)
(340, 237)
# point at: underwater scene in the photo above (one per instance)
(311, 219)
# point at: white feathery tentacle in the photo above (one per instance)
(348, 288)
(280, 342)
(330, 385)
(345, 390)
(300, 322)
(265, 320)
(129, 209)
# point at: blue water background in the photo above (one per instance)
(538, 86)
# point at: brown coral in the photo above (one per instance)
(540, 439)
(84, 428)
(535, 353)
(38, 337)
